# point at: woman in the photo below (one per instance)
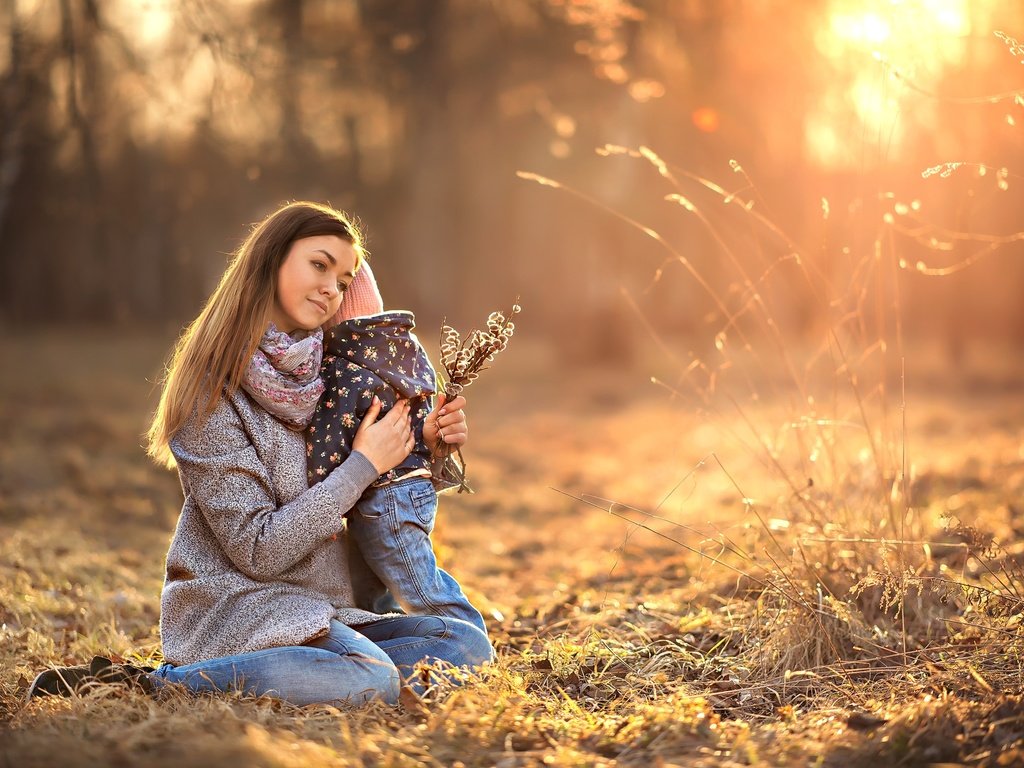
(256, 594)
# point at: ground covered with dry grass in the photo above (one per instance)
(668, 581)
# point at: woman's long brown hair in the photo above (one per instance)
(213, 352)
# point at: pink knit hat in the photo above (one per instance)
(362, 297)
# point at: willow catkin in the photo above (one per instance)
(462, 359)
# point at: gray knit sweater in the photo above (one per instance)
(258, 558)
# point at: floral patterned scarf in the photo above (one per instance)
(284, 375)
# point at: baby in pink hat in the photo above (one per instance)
(369, 352)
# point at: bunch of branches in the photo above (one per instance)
(462, 360)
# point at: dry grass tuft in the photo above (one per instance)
(789, 561)
(687, 642)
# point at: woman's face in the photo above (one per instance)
(314, 274)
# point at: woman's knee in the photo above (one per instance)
(378, 678)
(361, 660)
(478, 645)
(353, 677)
(471, 646)
(446, 628)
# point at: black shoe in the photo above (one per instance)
(106, 671)
(66, 681)
(59, 681)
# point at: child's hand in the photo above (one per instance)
(388, 441)
(445, 428)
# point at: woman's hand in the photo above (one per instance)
(388, 441)
(445, 428)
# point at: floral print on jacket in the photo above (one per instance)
(367, 356)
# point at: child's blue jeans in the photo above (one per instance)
(350, 664)
(391, 557)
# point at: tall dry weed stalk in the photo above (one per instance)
(849, 582)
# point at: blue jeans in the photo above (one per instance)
(349, 665)
(391, 557)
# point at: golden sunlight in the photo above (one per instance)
(874, 47)
(151, 22)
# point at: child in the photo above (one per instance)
(374, 353)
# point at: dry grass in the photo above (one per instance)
(697, 637)
(780, 548)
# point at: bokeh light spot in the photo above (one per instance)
(706, 119)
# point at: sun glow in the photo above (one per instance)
(872, 48)
(150, 22)
(868, 28)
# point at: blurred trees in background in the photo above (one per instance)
(138, 139)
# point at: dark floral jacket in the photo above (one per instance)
(367, 356)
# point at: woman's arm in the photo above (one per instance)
(222, 470)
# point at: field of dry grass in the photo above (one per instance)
(711, 616)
